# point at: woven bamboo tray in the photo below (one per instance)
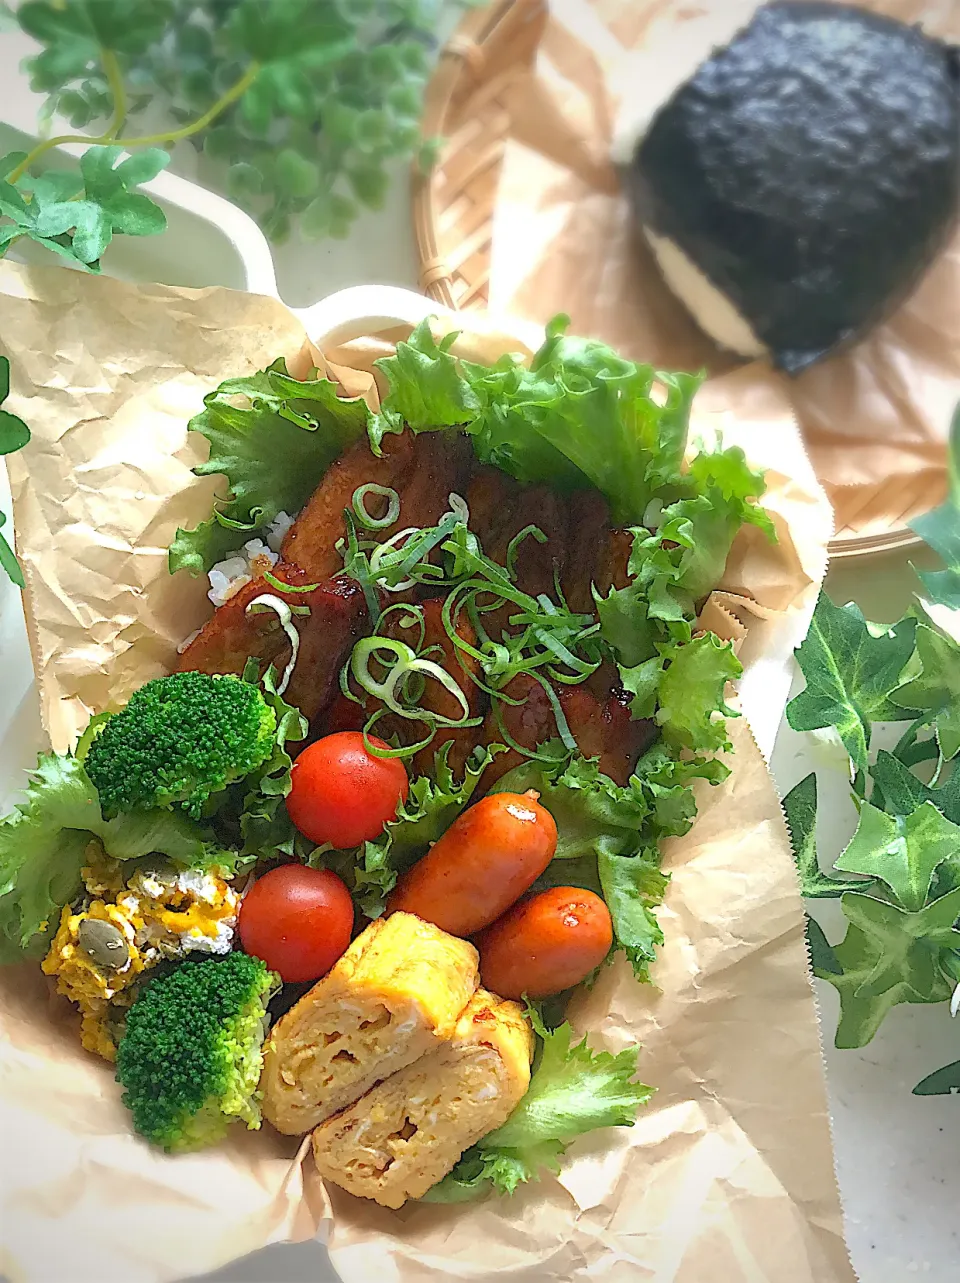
(467, 105)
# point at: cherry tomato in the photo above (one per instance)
(487, 858)
(545, 944)
(298, 920)
(342, 794)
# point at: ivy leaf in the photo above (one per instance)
(142, 167)
(903, 852)
(93, 232)
(800, 810)
(56, 185)
(943, 1082)
(902, 792)
(13, 205)
(96, 24)
(940, 530)
(890, 956)
(63, 216)
(135, 215)
(849, 672)
(8, 560)
(823, 960)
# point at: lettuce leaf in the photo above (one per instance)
(691, 693)
(432, 805)
(251, 814)
(573, 1090)
(608, 835)
(44, 843)
(272, 438)
(578, 416)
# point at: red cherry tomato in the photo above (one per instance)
(298, 920)
(342, 794)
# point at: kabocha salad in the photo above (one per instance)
(407, 787)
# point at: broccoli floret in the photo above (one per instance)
(191, 1054)
(179, 740)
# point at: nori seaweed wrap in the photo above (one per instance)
(810, 171)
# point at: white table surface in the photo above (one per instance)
(896, 1153)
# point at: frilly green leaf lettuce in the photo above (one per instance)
(578, 416)
(573, 1090)
(45, 839)
(272, 438)
(691, 693)
(432, 804)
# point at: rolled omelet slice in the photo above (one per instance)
(396, 994)
(407, 1133)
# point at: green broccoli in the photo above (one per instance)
(191, 1053)
(179, 740)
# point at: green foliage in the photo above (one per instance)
(573, 1090)
(940, 530)
(180, 740)
(800, 808)
(901, 895)
(14, 435)
(329, 94)
(76, 214)
(191, 1053)
(851, 670)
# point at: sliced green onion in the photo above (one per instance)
(404, 750)
(513, 547)
(274, 582)
(365, 518)
(283, 612)
(407, 662)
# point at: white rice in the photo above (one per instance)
(229, 576)
(277, 530)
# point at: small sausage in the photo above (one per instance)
(485, 861)
(545, 944)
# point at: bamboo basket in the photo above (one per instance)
(468, 105)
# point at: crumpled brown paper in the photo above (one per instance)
(727, 1176)
(875, 419)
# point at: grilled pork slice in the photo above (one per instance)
(395, 995)
(231, 636)
(408, 1132)
(613, 557)
(422, 469)
(311, 541)
(587, 536)
(602, 728)
(605, 729)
